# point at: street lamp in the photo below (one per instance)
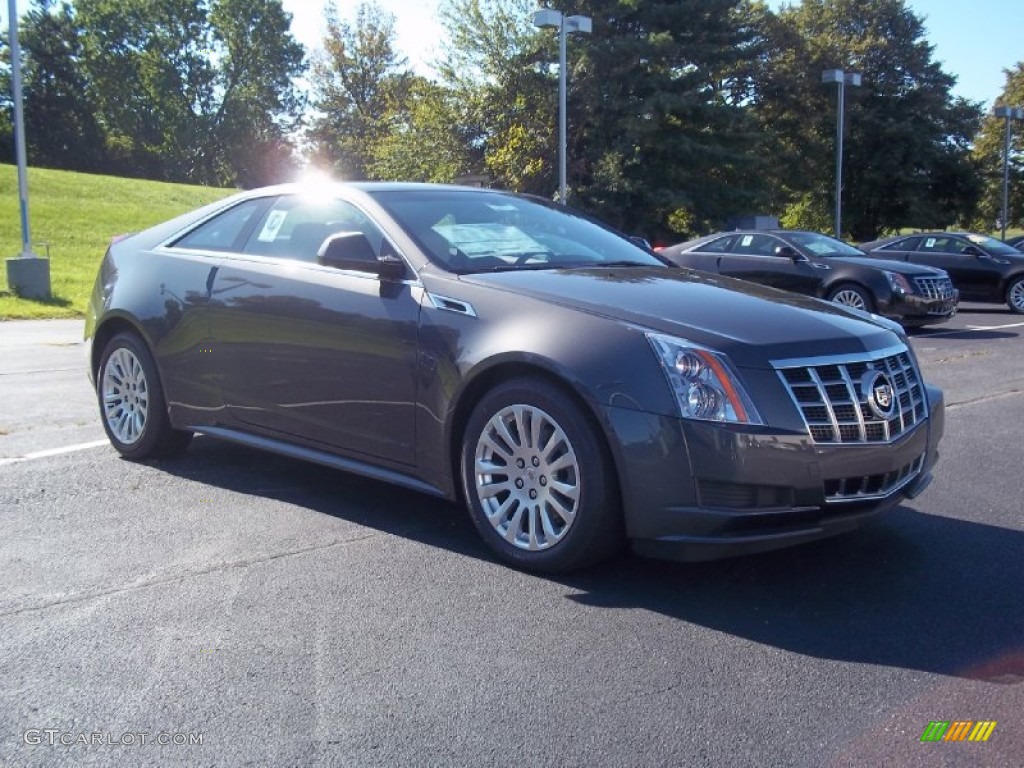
(546, 17)
(1010, 113)
(843, 79)
(27, 274)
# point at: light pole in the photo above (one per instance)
(547, 17)
(843, 79)
(1010, 113)
(27, 275)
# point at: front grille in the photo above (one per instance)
(935, 287)
(829, 395)
(872, 486)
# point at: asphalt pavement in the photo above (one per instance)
(235, 608)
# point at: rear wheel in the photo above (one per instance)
(850, 295)
(132, 405)
(538, 482)
(1015, 295)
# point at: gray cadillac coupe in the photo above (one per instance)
(570, 388)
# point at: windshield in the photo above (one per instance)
(992, 245)
(481, 231)
(823, 245)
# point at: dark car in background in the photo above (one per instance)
(1016, 242)
(818, 265)
(981, 267)
(569, 387)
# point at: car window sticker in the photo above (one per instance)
(747, 240)
(272, 226)
(488, 239)
(929, 243)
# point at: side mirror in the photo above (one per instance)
(976, 252)
(789, 252)
(352, 251)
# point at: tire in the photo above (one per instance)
(551, 509)
(851, 295)
(132, 405)
(1015, 295)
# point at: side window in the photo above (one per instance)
(721, 245)
(755, 245)
(942, 245)
(295, 227)
(225, 230)
(906, 244)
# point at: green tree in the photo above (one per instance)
(360, 83)
(496, 65)
(988, 154)
(259, 106)
(906, 158)
(661, 142)
(149, 65)
(6, 104)
(425, 142)
(60, 113)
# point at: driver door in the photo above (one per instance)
(312, 351)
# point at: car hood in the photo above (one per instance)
(899, 267)
(753, 324)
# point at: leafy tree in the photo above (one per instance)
(425, 142)
(662, 143)
(359, 83)
(6, 104)
(496, 66)
(60, 113)
(152, 78)
(988, 153)
(259, 107)
(906, 158)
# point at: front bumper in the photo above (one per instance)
(914, 310)
(700, 491)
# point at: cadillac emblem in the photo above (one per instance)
(876, 387)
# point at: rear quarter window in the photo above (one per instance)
(226, 231)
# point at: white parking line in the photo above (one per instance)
(993, 327)
(54, 452)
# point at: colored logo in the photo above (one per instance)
(877, 388)
(958, 730)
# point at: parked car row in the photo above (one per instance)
(817, 265)
(572, 389)
(981, 267)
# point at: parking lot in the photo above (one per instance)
(292, 615)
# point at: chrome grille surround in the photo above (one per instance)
(869, 487)
(934, 287)
(828, 394)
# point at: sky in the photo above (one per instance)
(974, 39)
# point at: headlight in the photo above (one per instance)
(899, 283)
(703, 382)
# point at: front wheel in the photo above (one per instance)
(132, 404)
(1015, 295)
(850, 295)
(539, 484)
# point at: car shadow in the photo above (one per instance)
(912, 590)
(960, 333)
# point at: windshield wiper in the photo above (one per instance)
(623, 263)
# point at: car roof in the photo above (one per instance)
(365, 186)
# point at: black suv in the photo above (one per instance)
(981, 267)
(821, 266)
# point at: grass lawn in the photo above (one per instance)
(77, 214)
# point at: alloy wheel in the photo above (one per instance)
(125, 396)
(527, 477)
